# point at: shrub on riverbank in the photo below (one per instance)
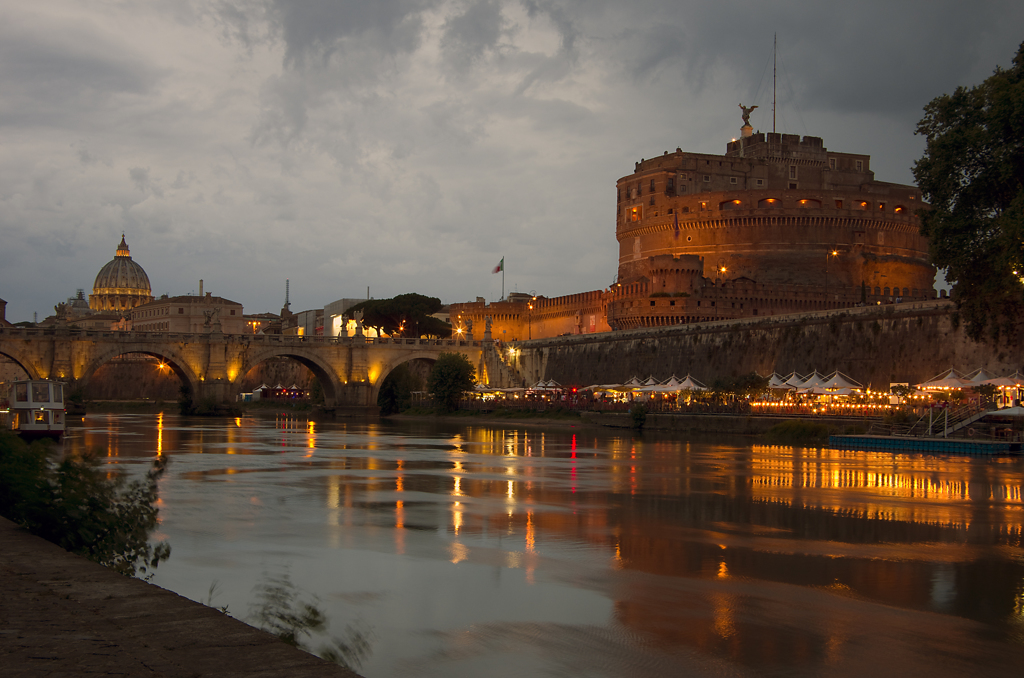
(77, 506)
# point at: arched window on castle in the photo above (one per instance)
(810, 203)
(769, 203)
(730, 205)
(899, 209)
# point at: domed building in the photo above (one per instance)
(121, 284)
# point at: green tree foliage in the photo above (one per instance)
(451, 377)
(78, 507)
(638, 414)
(396, 392)
(987, 392)
(972, 173)
(407, 315)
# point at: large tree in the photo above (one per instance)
(407, 315)
(972, 173)
(451, 377)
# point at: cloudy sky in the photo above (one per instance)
(409, 145)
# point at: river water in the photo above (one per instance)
(466, 550)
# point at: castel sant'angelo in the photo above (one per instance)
(779, 224)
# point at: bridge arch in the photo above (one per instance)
(21, 362)
(430, 356)
(308, 358)
(173, 358)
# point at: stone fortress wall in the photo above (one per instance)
(777, 225)
(875, 345)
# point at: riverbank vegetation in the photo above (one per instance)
(80, 507)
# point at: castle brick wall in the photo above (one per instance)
(874, 345)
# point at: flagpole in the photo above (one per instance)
(502, 278)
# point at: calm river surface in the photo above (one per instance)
(506, 551)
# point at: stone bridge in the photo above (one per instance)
(350, 369)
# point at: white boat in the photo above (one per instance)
(33, 407)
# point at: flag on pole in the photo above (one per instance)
(500, 267)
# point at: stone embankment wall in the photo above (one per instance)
(874, 345)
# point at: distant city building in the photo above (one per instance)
(100, 321)
(189, 314)
(77, 306)
(337, 324)
(307, 323)
(258, 323)
(121, 284)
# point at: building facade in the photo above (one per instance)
(190, 314)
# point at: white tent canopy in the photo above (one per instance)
(812, 380)
(691, 384)
(1015, 379)
(977, 377)
(946, 380)
(838, 380)
(795, 380)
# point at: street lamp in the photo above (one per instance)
(828, 254)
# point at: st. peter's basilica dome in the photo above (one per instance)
(121, 284)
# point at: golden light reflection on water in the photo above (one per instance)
(160, 434)
(723, 606)
(872, 526)
(938, 485)
(458, 552)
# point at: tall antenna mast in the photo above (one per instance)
(775, 60)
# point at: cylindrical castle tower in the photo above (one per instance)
(776, 210)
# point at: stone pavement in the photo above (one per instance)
(63, 615)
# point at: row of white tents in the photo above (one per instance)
(814, 383)
(951, 380)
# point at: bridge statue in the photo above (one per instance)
(746, 114)
(487, 328)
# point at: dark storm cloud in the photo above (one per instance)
(870, 56)
(330, 140)
(317, 30)
(467, 36)
(57, 73)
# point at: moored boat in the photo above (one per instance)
(33, 408)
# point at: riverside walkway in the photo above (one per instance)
(63, 615)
